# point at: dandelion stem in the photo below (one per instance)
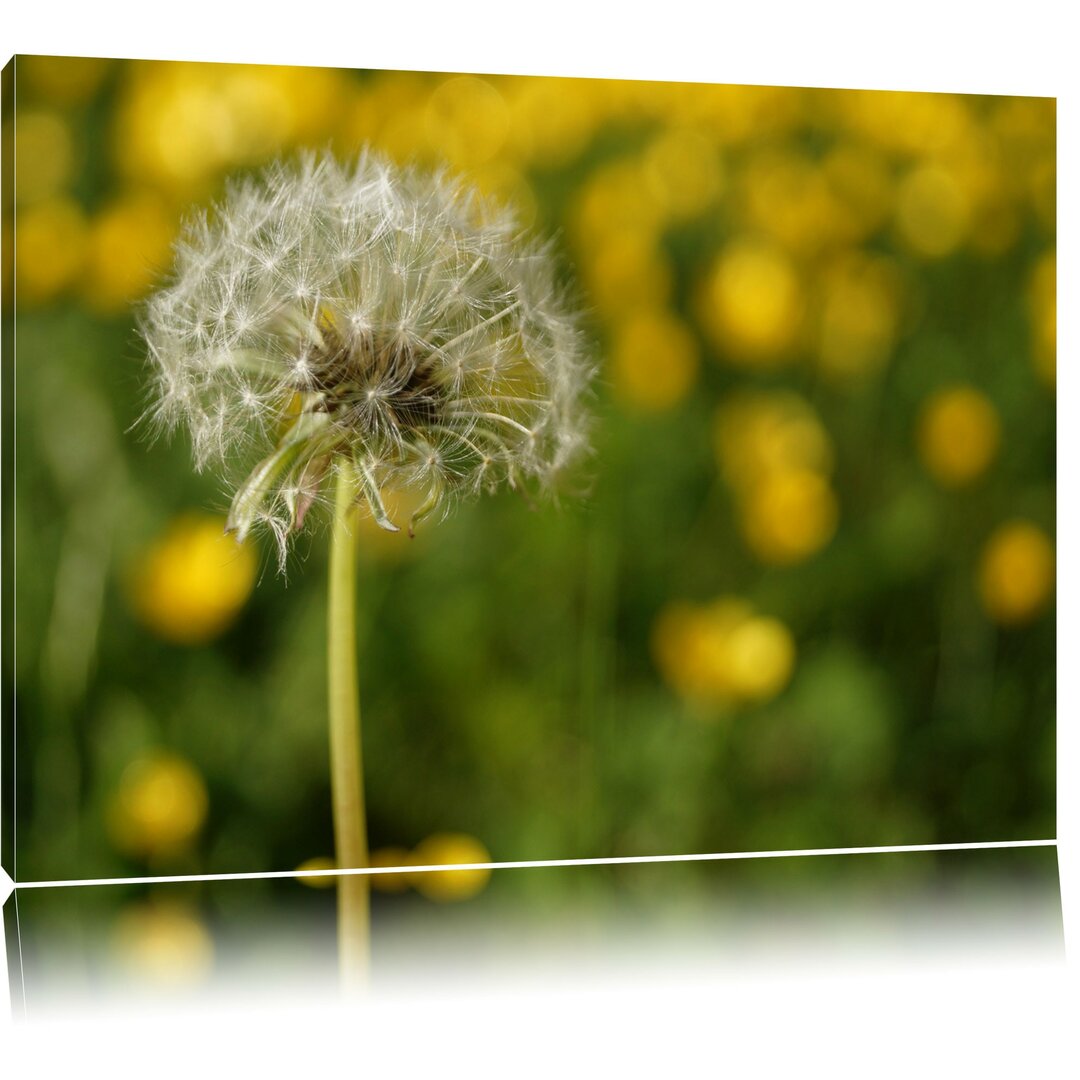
(346, 768)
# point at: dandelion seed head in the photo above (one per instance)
(326, 312)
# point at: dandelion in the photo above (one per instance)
(363, 318)
(331, 331)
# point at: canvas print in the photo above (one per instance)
(408, 469)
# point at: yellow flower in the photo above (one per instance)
(321, 881)
(466, 121)
(50, 249)
(933, 212)
(913, 124)
(128, 244)
(790, 516)
(164, 942)
(722, 653)
(1016, 573)
(759, 434)
(789, 199)
(393, 856)
(860, 314)
(760, 658)
(654, 360)
(180, 124)
(158, 807)
(752, 303)
(612, 200)
(551, 120)
(626, 271)
(191, 583)
(958, 435)
(44, 155)
(775, 454)
(449, 885)
(683, 173)
(860, 181)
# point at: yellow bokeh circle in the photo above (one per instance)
(752, 303)
(790, 516)
(128, 245)
(50, 249)
(392, 856)
(654, 360)
(722, 653)
(450, 885)
(320, 881)
(158, 807)
(758, 434)
(932, 212)
(958, 435)
(1016, 573)
(192, 582)
(44, 155)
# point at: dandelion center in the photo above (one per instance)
(348, 377)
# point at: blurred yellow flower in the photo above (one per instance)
(449, 885)
(790, 516)
(752, 303)
(995, 218)
(551, 120)
(915, 124)
(626, 271)
(393, 856)
(466, 121)
(1025, 127)
(738, 114)
(958, 435)
(180, 124)
(44, 154)
(654, 359)
(683, 173)
(376, 101)
(860, 315)
(1016, 573)
(932, 211)
(164, 942)
(192, 582)
(1042, 306)
(722, 653)
(862, 186)
(64, 80)
(614, 199)
(50, 249)
(322, 881)
(158, 807)
(789, 199)
(760, 658)
(775, 454)
(758, 434)
(128, 245)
